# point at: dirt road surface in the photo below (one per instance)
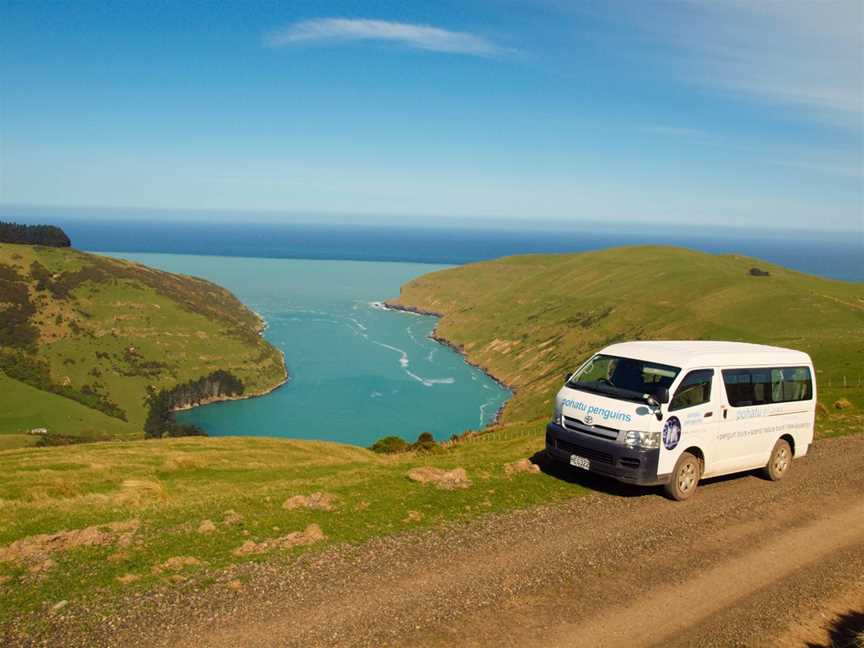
(746, 562)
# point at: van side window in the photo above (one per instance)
(695, 389)
(763, 386)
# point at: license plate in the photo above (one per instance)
(580, 462)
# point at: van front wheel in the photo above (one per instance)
(685, 477)
(780, 461)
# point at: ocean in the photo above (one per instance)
(839, 255)
(358, 372)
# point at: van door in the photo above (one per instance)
(691, 419)
(743, 441)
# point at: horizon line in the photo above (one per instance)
(473, 219)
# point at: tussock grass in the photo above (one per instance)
(171, 486)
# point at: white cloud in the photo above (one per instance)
(805, 54)
(422, 37)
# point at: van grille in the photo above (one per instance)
(588, 453)
(594, 430)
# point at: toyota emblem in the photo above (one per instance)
(589, 420)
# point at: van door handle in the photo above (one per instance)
(707, 414)
(725, 412)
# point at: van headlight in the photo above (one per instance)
(644, 440)
(558, 417)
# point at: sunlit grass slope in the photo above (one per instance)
(530, 319)
(24, 408)
(165, 489)
(89, 335)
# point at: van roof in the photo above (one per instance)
(696, 353)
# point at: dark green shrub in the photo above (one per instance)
(390, 445)
(425, 442)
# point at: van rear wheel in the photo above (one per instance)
(780, 461)
(685, 477)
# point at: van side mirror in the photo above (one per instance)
(662, 395)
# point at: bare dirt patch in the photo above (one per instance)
(439, 478)
(206, 527)
(42, 567)
(176, 564)
(316, 501)
(521, 466)
(38, 548)
(232, 518)
(310, 535)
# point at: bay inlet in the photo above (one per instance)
(358, 371)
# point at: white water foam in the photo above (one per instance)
(403, 360)
(483, 411)
(377, 305)
(429, 382)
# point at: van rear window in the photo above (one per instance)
(763, 386)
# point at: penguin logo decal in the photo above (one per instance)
(671, 433)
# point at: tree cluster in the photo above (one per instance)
(47, 235)
(160, 420)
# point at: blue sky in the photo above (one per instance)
(721, 113)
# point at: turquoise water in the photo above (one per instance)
(357, 372)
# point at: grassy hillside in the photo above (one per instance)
(158, 494)
(529, 319)
(84, 337)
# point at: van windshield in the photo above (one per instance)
(624, 378)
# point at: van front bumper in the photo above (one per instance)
(628, 465)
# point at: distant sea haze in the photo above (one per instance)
(839, 256)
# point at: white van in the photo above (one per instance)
(673, 412)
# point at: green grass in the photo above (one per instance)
(123, 328)
(172, 485)
(23, 408)
(529, 319)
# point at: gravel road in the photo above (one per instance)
(746, 562)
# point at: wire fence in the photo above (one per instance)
(845, 382)
(504, 434)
